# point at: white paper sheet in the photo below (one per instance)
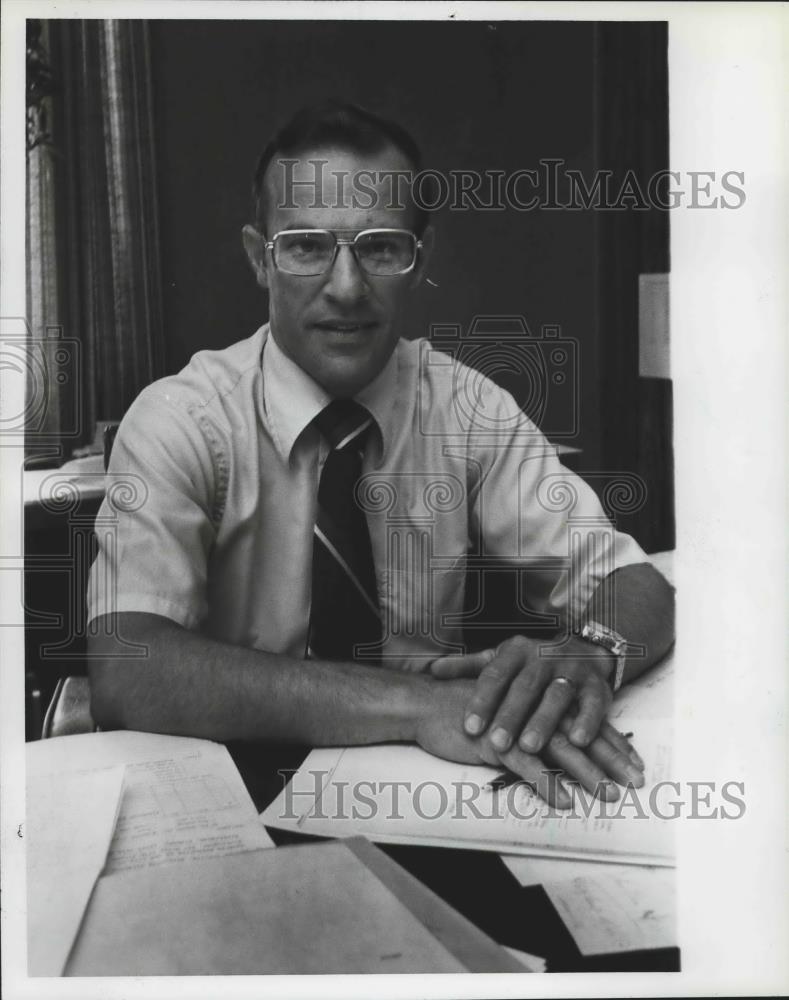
(539, 871)
(183, 799)
(626, 909)
(352, 791)
(69, 825)
(609, 907)
(307, 909)
(184, 808)
(650, 696)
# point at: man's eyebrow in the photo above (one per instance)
(327, 229)
(299, 225)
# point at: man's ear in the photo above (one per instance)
(255, 246)
(428, 242)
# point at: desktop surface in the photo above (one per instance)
(476, 883)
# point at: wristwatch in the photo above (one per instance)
(602, 635)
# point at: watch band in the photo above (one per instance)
(602, 635)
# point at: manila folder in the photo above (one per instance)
(335, 907)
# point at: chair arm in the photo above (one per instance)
(69, 709)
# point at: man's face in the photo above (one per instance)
(341, 326)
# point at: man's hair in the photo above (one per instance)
(334, 123)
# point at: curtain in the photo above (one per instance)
(102, 215)
(48, 413)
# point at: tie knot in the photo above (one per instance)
(342, 421)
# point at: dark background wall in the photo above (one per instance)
(476, 96)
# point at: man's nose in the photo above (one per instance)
(346, 281)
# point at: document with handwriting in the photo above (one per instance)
(395, 793)
(183, 799)
(623, 909)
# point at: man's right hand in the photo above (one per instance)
(608, 760)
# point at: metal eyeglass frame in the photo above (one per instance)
(338, 242)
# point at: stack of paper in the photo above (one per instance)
(67, 844)
(187, 885)
(610, 907)
(117, 801)
(606, 907)
(316, 908)
(399, 794)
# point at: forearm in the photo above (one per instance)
(191, 685)
(638, 603)
(525, 688)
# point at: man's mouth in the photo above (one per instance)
(345, 326)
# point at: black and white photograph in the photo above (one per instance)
(394, 490)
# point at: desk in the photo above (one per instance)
(476, 883)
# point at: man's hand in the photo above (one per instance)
(609, 756)
(521, 698)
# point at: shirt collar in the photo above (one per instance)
(293, 399)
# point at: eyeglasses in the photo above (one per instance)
(379, 252)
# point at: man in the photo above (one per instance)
(310, 495)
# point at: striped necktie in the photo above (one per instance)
(344, 611)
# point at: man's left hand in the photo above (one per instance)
(521, 697)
